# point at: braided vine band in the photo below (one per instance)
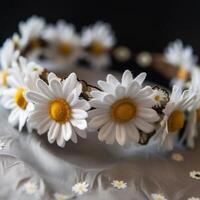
(119, 111)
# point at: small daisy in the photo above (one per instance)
(181, 57)
(177, 157)
(99, 39)
(174, 115)
(60, 197)
(158, 197)
(194, 198)
(160, 97)
(2, 145)
(122, 109)
(119, 184)
(30, 187)
(58, 109)
(80, 188)
(31, 31)
(195, 175)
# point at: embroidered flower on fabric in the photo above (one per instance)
(177, 157)
(2, 145)
(158, 197)
(60, 196)
(119, 184)
(30, 187)
(195, 175)
(80, 188)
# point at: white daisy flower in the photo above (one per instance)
(2, 145)
(80, 188)
(191, 130)
(99, 39)
(158, 197)
(30, 31)
(177, 157)
(20, 79)
(122, 109)
(181, 57)
(194, 198)
(160, 97)
(65, 46)
(195, 175)
(64, 36)
(30, 187)
(174, 116)
(60, 197)
(119, 184)
(58, 109)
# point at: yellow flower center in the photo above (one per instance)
(4, 78)
(176, 121)
(97, 48)
(34, 43)
(198, 113)
(157, 98)
(123, 110)
(182, 74)
(19, 99)
(60, 111)
(64, 48)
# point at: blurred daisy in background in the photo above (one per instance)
(119, 184)
(174, 115)
(182, 58)
(158, 197)
(65, 42)
(80, 188)
(30, 36)
(58, 109)
(191, 130)
(122, 109)
(98, 39)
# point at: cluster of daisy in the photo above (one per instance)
(120, 111)
(59, 46)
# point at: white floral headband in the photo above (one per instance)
(120, 111)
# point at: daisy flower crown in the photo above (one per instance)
(119, 111)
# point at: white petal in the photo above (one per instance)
(120, 134)
(98, 94)
(22, 120)
(69, 84)
(44, 89)
(81, 133)
(120, 91)
(98, 121)
(56, 88)
(105, 131)
(96, 112)
(53, 132)
(127, 77)
(74, 137)
(79, 114)
(52, 76)
(106, 87)
(133, 89)
(81, 124)
(144, 92)
(36, 97)
(8, 103)
(132, 132)
(112, 80)
(109, 99)
(60, 140)
(67, 131)
(14, 117)
(140, 78)
(98, 104)
(148, 114)
(143, 125)
(81, 104)
(44, 127)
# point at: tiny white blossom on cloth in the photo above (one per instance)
(177, 157)
(80, 188)
(158, 197)
(119, 184)
(195, 175)
(30, 187)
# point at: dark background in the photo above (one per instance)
(141, 25)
